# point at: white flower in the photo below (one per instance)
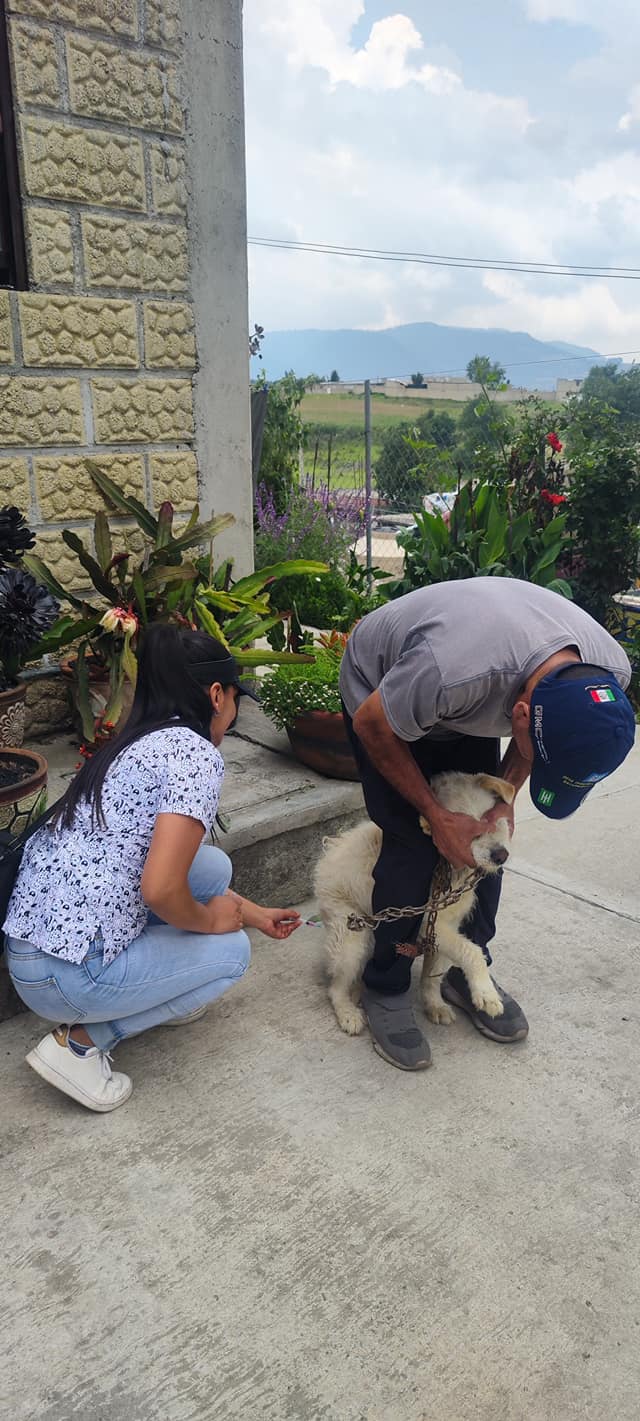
(117, 619)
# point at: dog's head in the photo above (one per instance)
(475, 795)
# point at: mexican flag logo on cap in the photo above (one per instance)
(601, 693)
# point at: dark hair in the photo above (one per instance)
(167, 692)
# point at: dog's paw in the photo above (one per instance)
(439, 1013)
(351, 1019)
(487, 1001)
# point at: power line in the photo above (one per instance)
(548, 360)
(533, 268)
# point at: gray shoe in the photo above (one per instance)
(394, 1030)
(511, 1026)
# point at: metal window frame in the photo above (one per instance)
(15, 272)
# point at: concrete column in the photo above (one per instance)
(217, 220)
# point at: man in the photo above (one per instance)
(431, 682)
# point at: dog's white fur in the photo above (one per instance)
(344, 884)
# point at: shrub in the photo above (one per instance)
(604, 507)
(284, 433)
(483, 538)
(321, 602)
(294, 690)
(314, 525)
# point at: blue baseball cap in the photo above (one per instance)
(582, 726)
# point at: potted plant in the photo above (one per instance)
(23, 787)
(305, 701)
(27, 610)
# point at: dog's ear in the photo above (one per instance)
(425, 825)
(500, 788)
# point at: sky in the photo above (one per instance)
(503, 129)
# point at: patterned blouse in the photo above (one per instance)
(74, 883)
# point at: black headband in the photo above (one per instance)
(225, 671)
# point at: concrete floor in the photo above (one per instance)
(280, 1227)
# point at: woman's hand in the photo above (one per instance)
(279, 923)
(225, 913)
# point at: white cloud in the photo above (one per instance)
(317, 34)
(591, 312)
(364, 135)
(633, 112)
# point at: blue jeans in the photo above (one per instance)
(164, 973)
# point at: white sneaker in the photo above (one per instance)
(88, 1079)
(184, 1020)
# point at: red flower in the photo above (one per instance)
(554, 443)
(553, 498)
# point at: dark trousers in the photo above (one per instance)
(402, 875)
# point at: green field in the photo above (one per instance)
(335, 431)
(338, 421)
(334, 411)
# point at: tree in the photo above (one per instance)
(284, 432)
(620, 389)
(483, 426)
(485, 372)
(417, 459)
(417, 380)
(334, 377)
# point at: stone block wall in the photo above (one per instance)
(97, 357)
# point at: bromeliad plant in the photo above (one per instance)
(161, 584)
(135, 590)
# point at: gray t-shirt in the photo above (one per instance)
(451, 658)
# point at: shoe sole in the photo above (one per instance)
(455, 1000)
(421, 1066)
(55, 1078)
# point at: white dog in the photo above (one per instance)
(344, 885)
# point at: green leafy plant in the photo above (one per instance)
(292, 690)
(240, 613)
(482, 538)
(284, 434)
(132, 592)
(158, 585)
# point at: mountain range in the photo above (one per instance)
(400, 351)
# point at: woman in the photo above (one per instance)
(121, 918)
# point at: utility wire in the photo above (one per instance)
(514, 364)
(533, 268)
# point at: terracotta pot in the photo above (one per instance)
(99, 692)
(319, 740)
(12, 715)
(22, 799)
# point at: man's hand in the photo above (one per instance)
(500, 811)
(453, 834)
